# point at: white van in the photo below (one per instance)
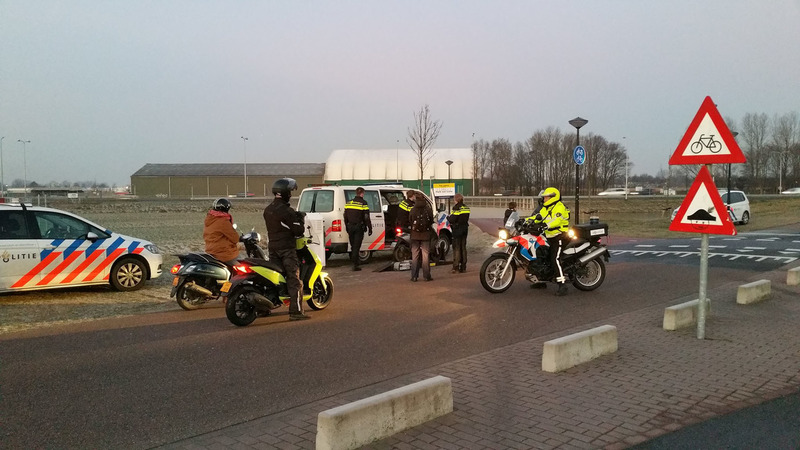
(383, 201)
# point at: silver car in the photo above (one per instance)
(739, 206)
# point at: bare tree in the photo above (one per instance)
(421, 137)
(754, 135)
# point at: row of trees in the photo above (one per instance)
(771, 147)
(19, 183)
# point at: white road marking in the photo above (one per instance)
(732, 256)
(678, 246)
(755, 248)
(645, 245)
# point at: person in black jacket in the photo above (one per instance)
(459, 223)
(404, 208)
(421, 219)
(356, 221)
(284, 226)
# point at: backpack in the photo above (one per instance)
(420, 222)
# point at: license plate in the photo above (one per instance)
(175, 281)
(226, 286)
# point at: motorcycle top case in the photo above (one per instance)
(591, 230)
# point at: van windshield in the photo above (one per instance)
(316, 201)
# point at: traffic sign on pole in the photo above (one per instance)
(707, 140)
(703, 211)
(579, 155)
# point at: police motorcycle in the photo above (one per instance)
(259, 286)
(402, 248)
(199, 276)
(523, 246)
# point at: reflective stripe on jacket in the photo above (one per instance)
(556, 217)
(459, 219)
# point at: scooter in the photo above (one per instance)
(259, 286)
(523, 246)
(199, 276)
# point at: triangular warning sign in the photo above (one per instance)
(707, 140)
(702, 211)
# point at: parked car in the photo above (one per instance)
(792, 191)
(739, 206)
(45, 248)
(616, 192)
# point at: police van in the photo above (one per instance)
(383, 201)
(45, 248)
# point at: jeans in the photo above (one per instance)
(420, 250)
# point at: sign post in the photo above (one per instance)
(707, 141)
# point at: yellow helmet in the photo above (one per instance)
(553, 195)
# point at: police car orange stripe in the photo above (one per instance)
(70, 255)
(97, 270)
(35, 271)
(88, 261)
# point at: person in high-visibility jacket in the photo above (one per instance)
(357, 221)
(556, 216)
(459, 223)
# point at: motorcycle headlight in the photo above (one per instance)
(571, 233)
(152, 249)
(503, 234)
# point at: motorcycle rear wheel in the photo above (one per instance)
(238, 308)
(492, 277)
(187, 299)
(590, 276)
(322, 295)
(402, 252)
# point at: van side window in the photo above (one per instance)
(316, 201)
(12, 225)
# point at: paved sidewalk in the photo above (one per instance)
(657, 382)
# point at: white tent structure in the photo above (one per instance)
(379, 165)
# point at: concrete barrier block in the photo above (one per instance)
(569, 351)
(358, 423)
(683, 315)
(793, 276)
(753, 292)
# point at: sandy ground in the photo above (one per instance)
(175, 228)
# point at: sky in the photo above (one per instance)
(101, 88)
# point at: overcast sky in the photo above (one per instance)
(101, 88)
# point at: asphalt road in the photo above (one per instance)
(143, 381)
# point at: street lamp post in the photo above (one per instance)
(244, 144)
(578, 122)
(25, 166)
(2, 181)
(734, 133)
(397, 161)
(448, 162)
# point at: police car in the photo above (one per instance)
(45, 248)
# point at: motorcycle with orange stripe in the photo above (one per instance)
(199, 276)
(259, 286)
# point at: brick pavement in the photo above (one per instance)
(657, 382)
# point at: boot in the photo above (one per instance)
(539, 285)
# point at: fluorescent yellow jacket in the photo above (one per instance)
(556, 217)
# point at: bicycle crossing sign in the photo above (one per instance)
(703, 211)
(707, 140)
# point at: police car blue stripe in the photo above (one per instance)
(73, 247)
(94, 246)
(114, 246)
(56, 243)
(133, 246)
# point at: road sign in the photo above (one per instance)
(707, 140)
(444, 190)
(579, 155)
(702, 211)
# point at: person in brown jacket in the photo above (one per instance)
(222, 240)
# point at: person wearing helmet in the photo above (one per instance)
(555, 215)
(284, 226)
(222, 240)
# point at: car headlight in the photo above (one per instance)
(152, 249)
(503, 234)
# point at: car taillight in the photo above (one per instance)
(336, 225)
(242, 269)
(175, 269)
(398, 231)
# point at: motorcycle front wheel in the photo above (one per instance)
(322, 295)
(590, 276)
(492, 277)
(238, 307)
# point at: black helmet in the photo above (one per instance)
(222, 204)
(283, 188)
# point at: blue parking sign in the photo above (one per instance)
(579, 155)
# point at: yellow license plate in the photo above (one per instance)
(226, 286)
(175, 281)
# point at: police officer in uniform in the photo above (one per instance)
(356, 221)
(459, 223)
(405, 208)
(556, 216)
(284, 225)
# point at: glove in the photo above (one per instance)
(370, 232)
(537, 218)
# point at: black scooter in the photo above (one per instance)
(199, 276)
